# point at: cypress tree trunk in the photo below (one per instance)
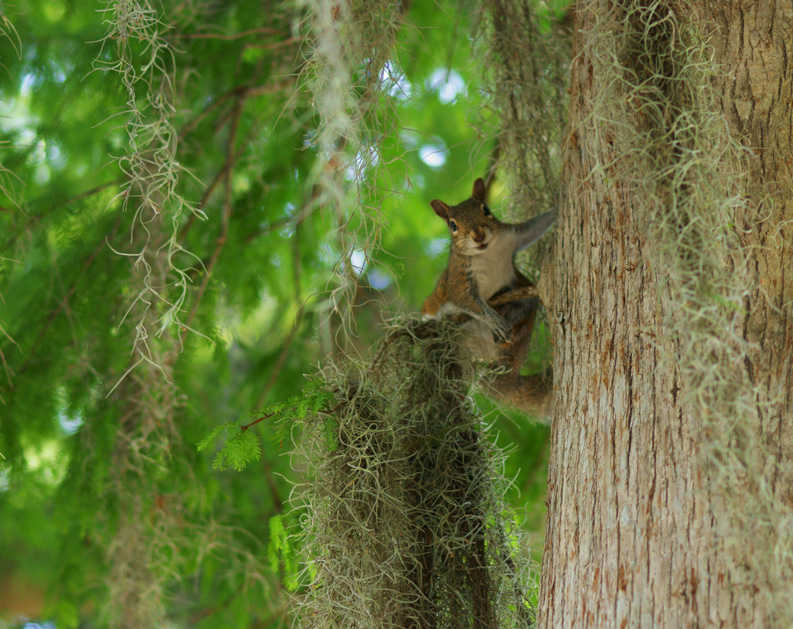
(670, 497)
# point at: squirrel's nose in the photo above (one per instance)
(479, 236)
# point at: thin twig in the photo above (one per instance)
(275, 225)
(272, 486)
(241, 92)
(253, 31)
(282, 356)
(242, 95)
(227, 207)
(272, 46)
(256, 421)
(33, 219)
(88, 262)
(281, 360)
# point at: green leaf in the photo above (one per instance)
(207, 441)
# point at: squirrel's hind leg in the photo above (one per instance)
(521, 315)
(529, 394)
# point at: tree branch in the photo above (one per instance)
(256, 421)
(228, 170)
(64, 302)
(252, 31)
(241, 92)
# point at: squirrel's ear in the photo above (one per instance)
(480, 192)
(441, 209)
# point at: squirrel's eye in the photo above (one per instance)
(453, 225)
(486, 210)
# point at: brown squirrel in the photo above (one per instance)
(481, 265)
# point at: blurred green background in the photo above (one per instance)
(259, 275)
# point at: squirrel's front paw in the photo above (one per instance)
(502, 331)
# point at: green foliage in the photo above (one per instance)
(242, 446)
(216, 126)
(282, 551)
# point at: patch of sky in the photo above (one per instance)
(70, 424)
(395, 82)
(60, 70)
(288, 230)
(327, 254)
(437, 246)
(447, 83)
(358, 261)
(27, 137)
(409, 139)
(28, 81)
(55, 156)
(434, 155)
(364, 160)
(15, 117)
(379, 279)
(39, 157)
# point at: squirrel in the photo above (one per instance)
(481, 266)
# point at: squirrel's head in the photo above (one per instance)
(471, 223)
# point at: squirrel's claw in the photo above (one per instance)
(502, 332)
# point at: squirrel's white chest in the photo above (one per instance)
(493, 270)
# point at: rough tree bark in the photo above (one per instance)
(638, 533)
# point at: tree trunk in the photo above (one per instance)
(670, 500)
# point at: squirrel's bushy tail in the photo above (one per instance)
(532, 395)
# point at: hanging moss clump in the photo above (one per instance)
(405, 520)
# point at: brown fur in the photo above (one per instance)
(480, 259)
(481, 264)
(530, 394)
